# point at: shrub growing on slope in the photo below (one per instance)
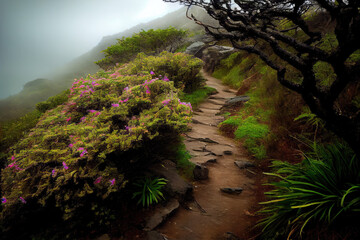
(77, 160)
(181, 68)
(149, 42)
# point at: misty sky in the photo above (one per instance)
(37, 36)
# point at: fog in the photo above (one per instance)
(37, 36)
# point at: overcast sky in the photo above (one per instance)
(39, 35)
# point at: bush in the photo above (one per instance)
(53, 102)
(249, 130)
(322, 191)
(181, 68)
(78, 159)
(149, 190)
(149, 42)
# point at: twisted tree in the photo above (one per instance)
(257, 26)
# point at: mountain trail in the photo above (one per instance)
(225, 203)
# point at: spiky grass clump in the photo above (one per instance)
(323, 190)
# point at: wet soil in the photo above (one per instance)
(214, 213)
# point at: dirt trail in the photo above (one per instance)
(219, 212)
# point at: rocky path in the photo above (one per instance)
(215, 214)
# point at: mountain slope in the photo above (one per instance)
(23, 102)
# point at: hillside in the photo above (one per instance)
(61, 79)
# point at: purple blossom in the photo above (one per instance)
(115, 105)
(166, 102)
(166, 79)
(152, 73)
(3, 200)
(53, 172)
(112, 182)
(12, 158)
(65, 166)
(81, 149)
(98, 113)
(82, 86)
(71, 145)
(83, 153)
(98, 180)
(22, 200)
(68, 119)
(92, 111)
(147, 90)
(82, 119)
(126, 89)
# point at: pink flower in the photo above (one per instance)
(147, 90)
(3, 200)
(82, 119)
(92, 111)
(98, 113)
(98, 180)
(112, 181)
(71, 145)
(12, 158)
(126, 89)
(166, 79)
(81, 149)
(115, 105)
(65, 166)
(53, 173)
(166, 102)
(152, 73)
(83, 153)
(22, 200)
(68, 119)
(82, 86)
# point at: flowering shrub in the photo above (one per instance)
(181, 68)
(83, 152)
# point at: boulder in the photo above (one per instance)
(195, 48)
(201, 172)
(213, 55)
(176, 186)
(235, 101)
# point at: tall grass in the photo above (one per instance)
(323, 190)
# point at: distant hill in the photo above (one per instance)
(62, 78)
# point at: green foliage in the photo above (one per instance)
(76, 160)
(252, 132)
(53, 102)
(183, 163)
(148, 42)
(197, 96)
(13, 131)
(149, 190)
(181, 68)
(234, 69)
(324, 74)
(322, 190)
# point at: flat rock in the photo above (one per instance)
(201, 172)
(232, 190)
(244, 164)
(176, 186)
(154, 235)
(228, 152)
(211, 161)
(160, 214)
(236, 101)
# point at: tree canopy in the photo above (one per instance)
(313, 45)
